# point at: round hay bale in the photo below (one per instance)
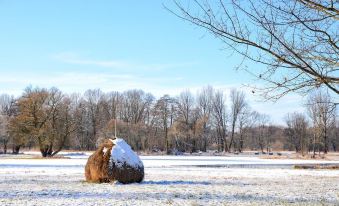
(125, 166)
(114, 160)
(126, 174)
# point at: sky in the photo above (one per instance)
(115, 46)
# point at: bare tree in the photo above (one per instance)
(251, 129)
(220, 120)
(244, 123)
(204, 99)
(34, 112)
(163, 112)
(7, 111)
(297, 41)
(334, 134)
(43, 116)
(238, 104)
(184, 108)
(322, 111)
(92, 108)
(185, 104)
(4, 134)
(297, 131)
(135, 103)
(50, 130)
(31, 121)
(263, 124)
(65, 124)
(82, 123)
(114, 101)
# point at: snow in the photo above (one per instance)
(123, 154)
(224, 161)
(104, 151)
(170, 180)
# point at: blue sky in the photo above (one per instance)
(115, 45)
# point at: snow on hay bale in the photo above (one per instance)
(125, 166)
(114, 160)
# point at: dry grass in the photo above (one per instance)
(330, 156)
(326, 167)
(273, 157)
(96, 169)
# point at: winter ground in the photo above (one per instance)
(170, 180)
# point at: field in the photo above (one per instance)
(170, 180)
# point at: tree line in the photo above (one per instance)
(51, 121)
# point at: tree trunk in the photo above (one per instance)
(5, 148)
(204, 148)
(334, 146)
(167, 142)
(313, 146)
(232, 137)
(46, 151)
(50, 150)
(16, 149)
(241, 142)
(61, 145)
(325, 142)
(261, 146)
(87, 141)
(43, 151)
(226, 148)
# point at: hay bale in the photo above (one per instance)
(125, 166)
(114, 160)
(96, 169)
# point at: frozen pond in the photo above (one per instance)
(170, 180)
(79, 160)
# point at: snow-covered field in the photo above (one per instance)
(170, 180)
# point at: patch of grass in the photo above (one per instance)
(326, 167)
